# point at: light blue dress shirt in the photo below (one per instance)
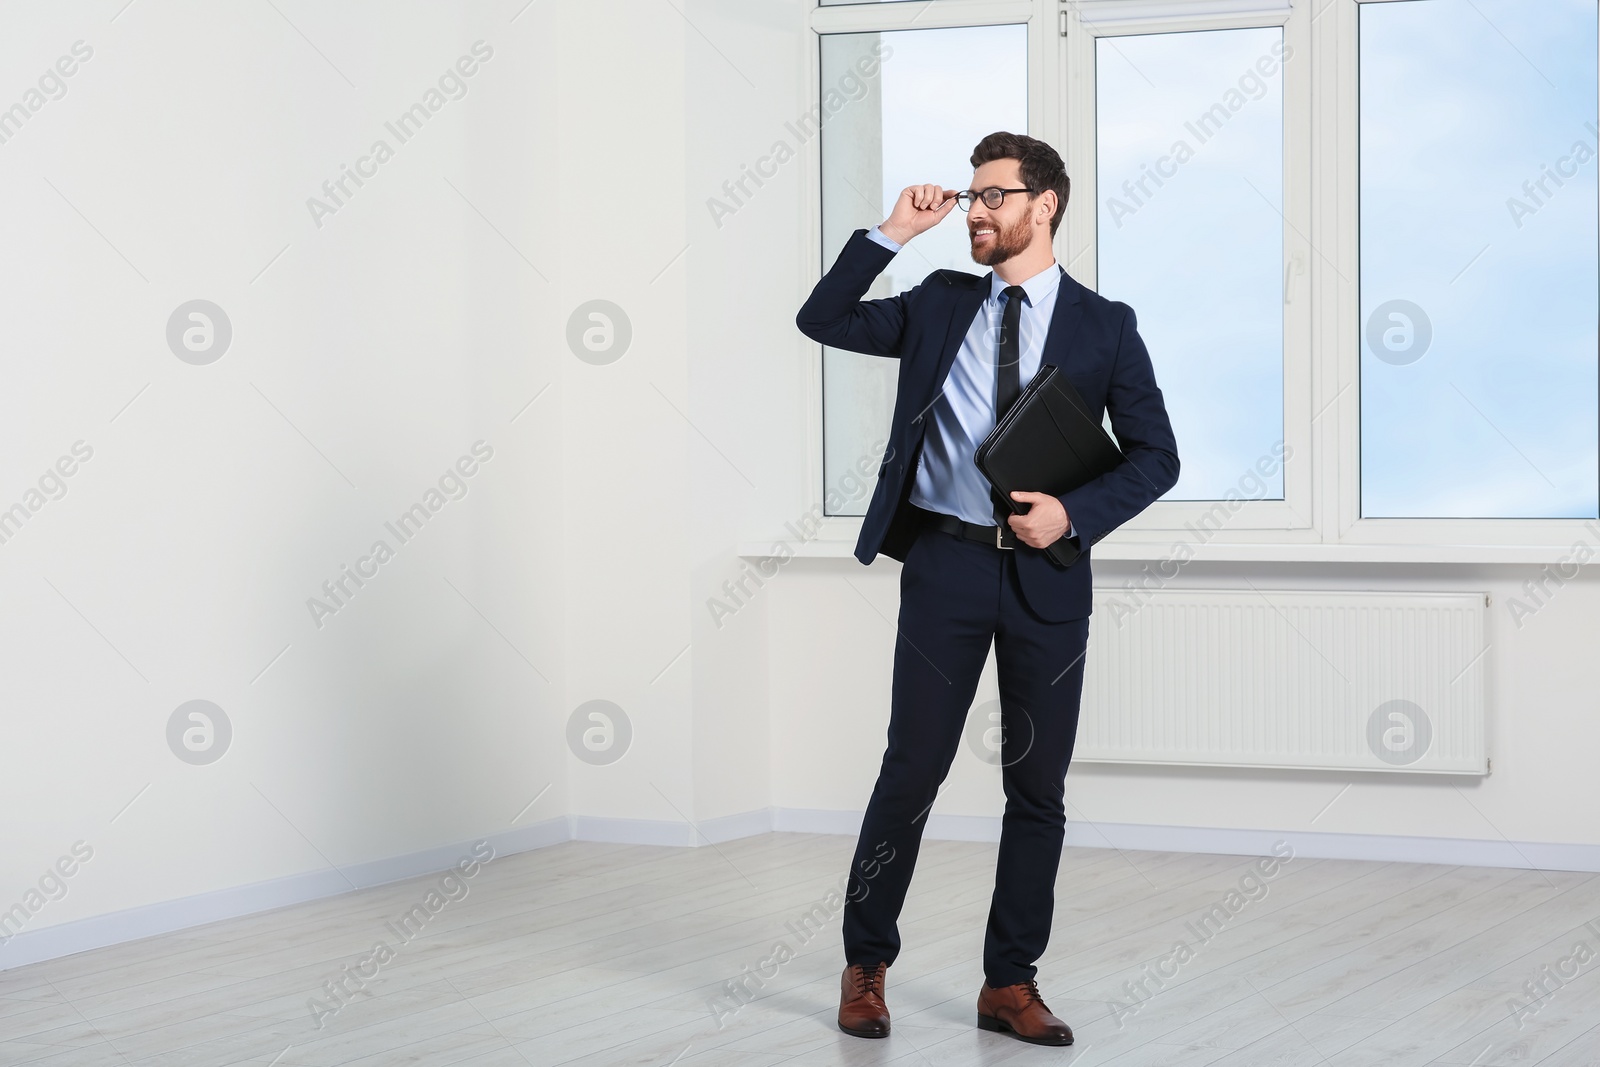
(948, 479)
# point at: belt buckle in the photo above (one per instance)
(999, 534)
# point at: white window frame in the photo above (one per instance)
(1319, 518)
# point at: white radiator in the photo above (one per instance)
(1239, 678)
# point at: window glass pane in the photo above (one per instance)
(935, 95)
(1478, 259)
(1189, 144)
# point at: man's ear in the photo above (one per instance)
(1049, 203)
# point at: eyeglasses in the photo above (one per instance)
(993, 197)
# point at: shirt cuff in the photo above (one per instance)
(877, 235)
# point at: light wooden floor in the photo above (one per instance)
(608, 954)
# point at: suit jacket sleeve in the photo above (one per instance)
(1139, 420)
(835, 314)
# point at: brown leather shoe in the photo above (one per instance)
(1019, 1010)
(862, 1012)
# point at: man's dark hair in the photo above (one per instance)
(1041, 167)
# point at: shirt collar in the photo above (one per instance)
(1037, 287)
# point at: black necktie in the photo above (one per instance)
(1009, 379)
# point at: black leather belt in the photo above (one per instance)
(993, 536)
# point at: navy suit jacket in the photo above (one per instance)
(1092, 340)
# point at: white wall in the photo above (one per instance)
(371, 354)
(375, 349)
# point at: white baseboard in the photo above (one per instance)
(100, 931)
(1139, 837)
(115, 928)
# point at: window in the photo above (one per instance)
(1479, 259)
(1189, 166)
(1361, 238)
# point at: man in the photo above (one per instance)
(972, 570)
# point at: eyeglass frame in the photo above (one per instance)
(966, 196)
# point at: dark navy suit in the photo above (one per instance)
(958, 595)
(1092, 340)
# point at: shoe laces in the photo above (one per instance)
(1031, 992)
(872, 979)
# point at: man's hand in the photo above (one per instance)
(1044, 523)
(919, 208)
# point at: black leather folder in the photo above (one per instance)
(1047, 442)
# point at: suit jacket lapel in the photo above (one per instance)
(1064, 321)
(967, 303)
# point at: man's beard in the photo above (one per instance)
(1008, 241)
